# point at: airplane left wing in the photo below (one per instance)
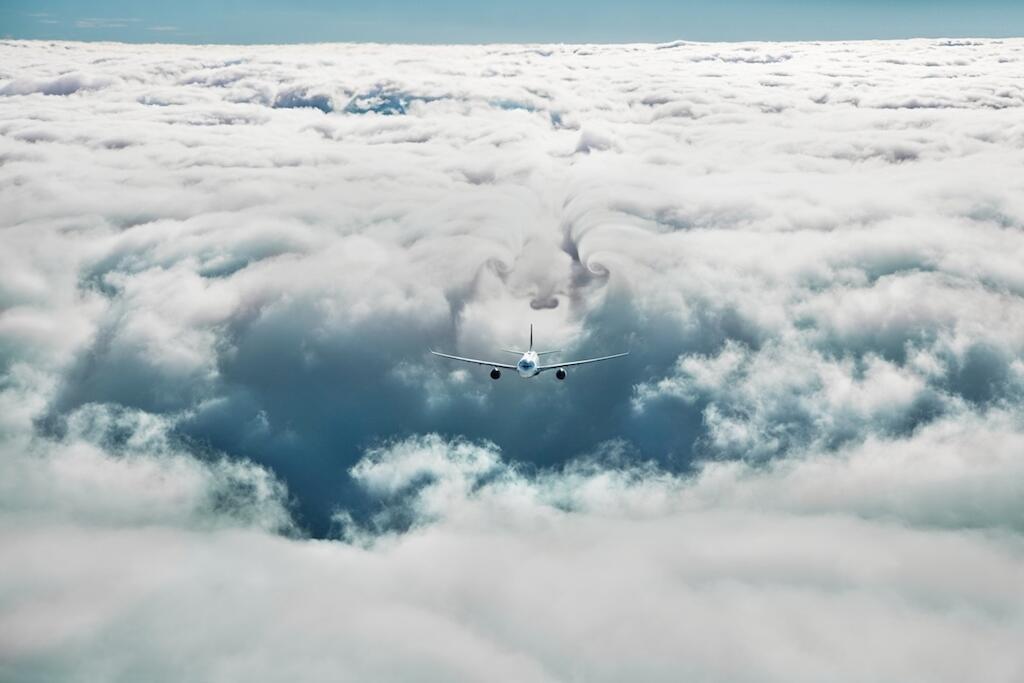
(555, 366)
(474, 360)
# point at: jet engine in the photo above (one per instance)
(560, 373)
(495, 373)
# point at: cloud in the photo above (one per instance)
(221, 268)
(63, 85)
(596, 570)
(106, 22)
(277, 232)
(297, 98)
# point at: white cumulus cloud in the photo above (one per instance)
(225, 453)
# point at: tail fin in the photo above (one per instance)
(531, 336)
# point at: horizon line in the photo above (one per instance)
(670, 43)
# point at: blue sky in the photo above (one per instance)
(461, 21)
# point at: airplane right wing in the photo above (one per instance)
(569, 364)
(474, 360)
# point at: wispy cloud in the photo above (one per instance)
(104, 23)
(42, 17)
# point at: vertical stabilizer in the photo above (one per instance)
(531, 336)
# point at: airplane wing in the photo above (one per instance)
(474, 360)
(555, 366)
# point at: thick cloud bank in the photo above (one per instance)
(226, 455)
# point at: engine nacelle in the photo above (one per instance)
(495, 373)
(560, 373)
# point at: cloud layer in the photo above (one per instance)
(227, 455)
(597, 571)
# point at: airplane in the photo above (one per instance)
(529, 365)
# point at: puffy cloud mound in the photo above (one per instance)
(227, 455)
(66, 84)
(601, 570)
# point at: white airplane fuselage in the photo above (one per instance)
(528, 365)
